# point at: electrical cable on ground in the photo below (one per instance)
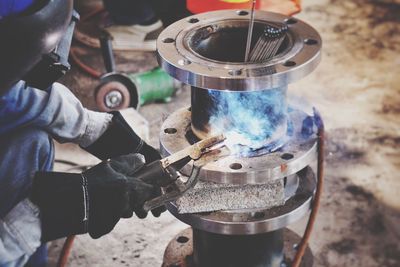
(73, 53)
(66, 249)
(301, 248)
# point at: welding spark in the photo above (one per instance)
(250, 120)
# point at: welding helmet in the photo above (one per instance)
(35, 41)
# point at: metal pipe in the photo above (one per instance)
(216, 250)
(258, 118)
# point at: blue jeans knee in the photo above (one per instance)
(22, 153)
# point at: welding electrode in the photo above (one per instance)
(268, 43)
(250, 32)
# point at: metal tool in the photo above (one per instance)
(119, 90)
(164, 173)
(250, 32)
(269, 43)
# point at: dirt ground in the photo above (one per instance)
(357, 90)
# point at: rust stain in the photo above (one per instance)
(283, 168)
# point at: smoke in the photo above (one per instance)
(250, 120)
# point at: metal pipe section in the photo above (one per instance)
(246, 101)
(216, 250)
(207, 51)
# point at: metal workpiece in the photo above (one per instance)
(298, 152)
(216, 250)
(256, 221)
(181, 250)
(215, 111)
(207, 51)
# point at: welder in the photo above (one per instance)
(37, 205)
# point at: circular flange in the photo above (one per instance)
(255, 221)
(179, 252)
(181, 53)
(298, 153)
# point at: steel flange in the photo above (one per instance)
(298, 153)
(202, 50)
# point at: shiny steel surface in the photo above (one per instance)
(248, 222)
(241, 170)
(202, 50)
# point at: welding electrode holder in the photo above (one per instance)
(167, 178)
(164, 173)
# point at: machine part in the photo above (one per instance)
(299, 152)
(268, 43)
(180, 250)
(107, 52)
(253, 120)
(143, 88)
(163, 173)
(154, 85)
(112, 96)
(206, 51)
(250, 31)
(255, 221)
(216, 250)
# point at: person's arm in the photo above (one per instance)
(56, 111)
(62, 115)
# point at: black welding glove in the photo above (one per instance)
(120, 139)
(94, 201)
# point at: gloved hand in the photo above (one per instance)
(120, 139)
(94, 201)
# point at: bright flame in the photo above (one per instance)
(250, 120)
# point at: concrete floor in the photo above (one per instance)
(357, 90)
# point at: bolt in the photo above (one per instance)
(113, 99)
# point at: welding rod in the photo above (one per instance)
(268, 43)
(250, 32)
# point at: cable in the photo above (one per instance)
(63, 259)
(73, 53)
(82, 66)
(317, 199)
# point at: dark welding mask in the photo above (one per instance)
(35, 44)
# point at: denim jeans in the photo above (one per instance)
(22, 153)
(29, 120)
